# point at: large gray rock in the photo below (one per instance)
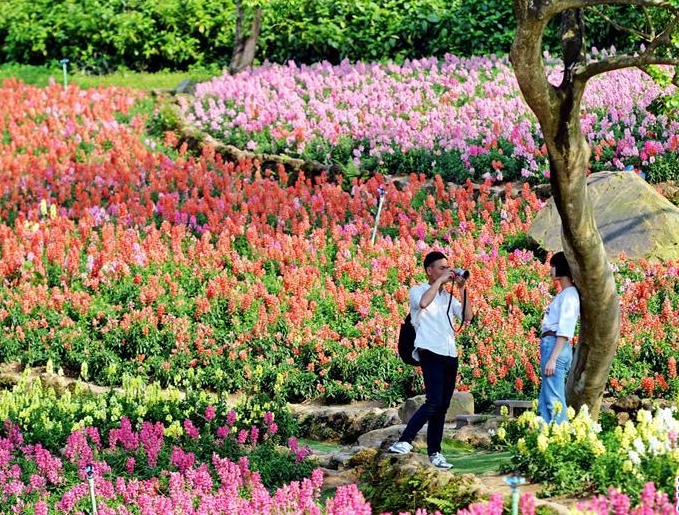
(342, 423)
(631, 215)
(462, 403)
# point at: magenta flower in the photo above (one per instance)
(151, 438)
(242, 436)
(191, 430)
(231, 417)
(254, 435)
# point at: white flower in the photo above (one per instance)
(644, 416)
(639, 446)
(655, 447)
(634, 458)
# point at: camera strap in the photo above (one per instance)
(464, 308)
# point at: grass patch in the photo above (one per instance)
(320, 447)
(41, 75)
(470, 460)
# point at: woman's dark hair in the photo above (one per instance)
(560, 264)
(432, 257)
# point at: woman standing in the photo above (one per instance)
(556, 354)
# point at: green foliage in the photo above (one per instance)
(99, 36)
(482, 28)
(664, 168)
(315, 30)
(581, 457)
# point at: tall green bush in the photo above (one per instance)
(101, 35)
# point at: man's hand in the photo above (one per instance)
(447, 276)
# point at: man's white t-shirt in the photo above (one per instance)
(433, 326)
(562, 313)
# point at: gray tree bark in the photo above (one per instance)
(245, 40)
(557, 109)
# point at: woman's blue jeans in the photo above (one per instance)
(553, 388)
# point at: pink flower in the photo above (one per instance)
(268, 418)
(182, 460)
(242, 436)
(151, 438)
(254, 435)
(191, 430)
(125, 436)
(210, 413)
(231, 418)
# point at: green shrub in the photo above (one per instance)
(581, 456)
(99, 35)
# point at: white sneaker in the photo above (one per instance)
(401, 448)
(439, 460)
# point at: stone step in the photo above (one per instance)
(514, 406)
(469, 420)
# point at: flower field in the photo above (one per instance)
(124, 256)
(460, 118)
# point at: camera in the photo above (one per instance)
(461, 272)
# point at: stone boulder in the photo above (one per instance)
(462, 403)
(342, 423)
(400, 481)
(631, 215)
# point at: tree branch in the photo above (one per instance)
(620, 62)
(647, 58)
(630, 30)
(551, 9)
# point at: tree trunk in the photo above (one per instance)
(558, 112)
(600, 312)
(245, 41)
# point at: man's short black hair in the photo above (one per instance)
(433, 256)
(559, 262)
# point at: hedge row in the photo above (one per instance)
(102, 35)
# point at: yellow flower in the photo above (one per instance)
(502, 433)
(558, 408)
(43, 207)
(174, 430)
(570, 413)
(598, 448)
(543, 443)
(31, 226)
(521, 445)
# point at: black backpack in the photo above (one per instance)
(406, 342)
